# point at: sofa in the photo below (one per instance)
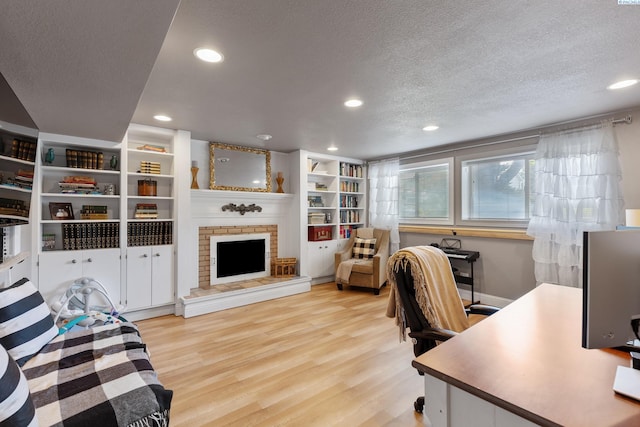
(100, 376)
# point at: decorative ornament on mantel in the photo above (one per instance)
(242, 208)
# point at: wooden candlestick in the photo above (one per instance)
(279, 180)
(194, 178)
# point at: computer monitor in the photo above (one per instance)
(611, 287)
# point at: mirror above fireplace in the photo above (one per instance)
(237, 168)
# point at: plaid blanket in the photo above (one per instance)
(100, 376)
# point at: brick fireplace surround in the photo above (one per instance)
(204, 234)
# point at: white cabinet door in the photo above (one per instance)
(104, 266)
(138, 277)
(59, 269)
(149, 276)
(162, 275)
(56, 271)
(321, 258)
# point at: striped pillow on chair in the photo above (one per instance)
(16, 406)
(26, 324)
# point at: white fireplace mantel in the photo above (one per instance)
(208, 204)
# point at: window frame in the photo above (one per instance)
(505, 153)
(450, 162)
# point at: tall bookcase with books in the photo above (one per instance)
(150, 216)
(352, 198)
(78, 213)
(333, 195)
(17, 163)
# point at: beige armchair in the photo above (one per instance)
(363, 272)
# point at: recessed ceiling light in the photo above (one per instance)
(208, 55)
(264, 137)
(622, 84)
(429, 128)
(162, 118)
(352, 103)
(332, 148)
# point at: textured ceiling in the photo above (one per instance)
(476, 69)
(80, 66)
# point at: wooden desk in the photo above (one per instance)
(526, 360)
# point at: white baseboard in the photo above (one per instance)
(148, 313)
(485, 298)
(196, 306)
(322, 280)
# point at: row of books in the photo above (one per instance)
(13, 207)
(347, 169)
(348, 201)
(23, 150)
(149, 233)
(146, 210)
(349, 186)
(84, 159)
(93, 235)
(94, 212)
(346, 231)
(349, 216)
(150, 167)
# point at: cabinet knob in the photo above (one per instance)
(144, 255)
(157, 255)
(73, 261)
(89, 260)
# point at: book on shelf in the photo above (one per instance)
(84, 159)
(149, 233)
(98, 235)
(13, 207)
(93, 212)
(23, 150)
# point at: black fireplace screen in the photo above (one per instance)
(240, 257)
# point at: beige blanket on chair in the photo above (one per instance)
(436, 291)
(344, 270)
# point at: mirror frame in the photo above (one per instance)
(259, 151)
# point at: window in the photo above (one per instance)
(497, 188)
(426, 192)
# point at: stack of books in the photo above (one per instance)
(146, 211)
(93, 212)
(78, 184)
(13, 207)
(22, 179)
(149, 167)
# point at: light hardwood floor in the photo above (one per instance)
(322, 358)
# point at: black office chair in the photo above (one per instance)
(423, 335)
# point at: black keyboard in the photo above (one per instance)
(461, 254)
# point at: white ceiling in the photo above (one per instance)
(476, 69)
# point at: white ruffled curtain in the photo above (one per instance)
(383, 198)
(577, 188)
